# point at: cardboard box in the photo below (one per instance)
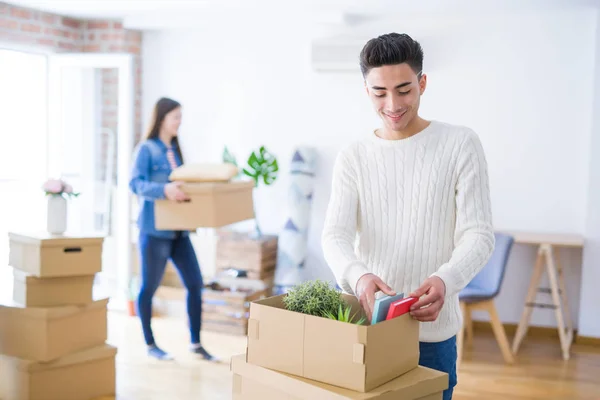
(211, 205)
(82, 375)
(240, 251)
(45, 255)
(357, 357)
(45, 334)
(31, 291)
(256, 383)
(225, 309)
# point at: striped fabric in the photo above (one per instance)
(171, 158)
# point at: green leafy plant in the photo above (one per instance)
(343, 315)
(261, 166)
(228, 157)
(316, 298)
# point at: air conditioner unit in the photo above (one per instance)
(336, 55)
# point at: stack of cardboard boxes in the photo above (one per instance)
(293, 356)
(255, 257)
(52, 331)
(227, 299)
(226, 306)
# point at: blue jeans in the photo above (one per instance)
(441, 356)
(154, 254)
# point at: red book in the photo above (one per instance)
(400, 307)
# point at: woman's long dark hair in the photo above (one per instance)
(163, 106)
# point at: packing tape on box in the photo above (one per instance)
(237, 383)
(253, 329)
(358, 355)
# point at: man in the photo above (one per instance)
(417, 194)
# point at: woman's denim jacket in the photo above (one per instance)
(149, 175)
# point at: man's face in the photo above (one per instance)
(395, 91)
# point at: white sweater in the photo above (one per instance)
(408, 209)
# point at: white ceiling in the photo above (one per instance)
(107, 8)
(158, 14)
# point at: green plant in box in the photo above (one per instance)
(343, 315)
(320, 299)
(313, 298)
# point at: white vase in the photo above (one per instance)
(56, 222)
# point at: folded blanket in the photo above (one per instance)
(204, 172)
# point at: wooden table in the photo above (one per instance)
(548, 246)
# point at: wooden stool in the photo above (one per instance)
(548, 246)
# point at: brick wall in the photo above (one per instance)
(111, 37)
(56, 33)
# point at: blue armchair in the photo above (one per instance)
(480, 293)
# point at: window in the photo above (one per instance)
(23, 160)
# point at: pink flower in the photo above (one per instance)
(68, 188)
(53, 186)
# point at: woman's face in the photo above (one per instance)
(171, 122)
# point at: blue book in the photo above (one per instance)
(382, 305)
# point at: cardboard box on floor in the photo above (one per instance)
(44, 255)
(356, 357)
(83, 375)
(251, 382)
(211, 205)
(31, 291)
(45, 334)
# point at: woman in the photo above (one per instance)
(154, 160)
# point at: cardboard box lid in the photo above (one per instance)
(31, 279)
(47, 240)
(416, 383)
(214, 187)
(8, 306)
(93, 354)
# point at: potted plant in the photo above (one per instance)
(57, 191)
(320, 299)
(261, 166)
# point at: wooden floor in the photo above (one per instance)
(539, 372)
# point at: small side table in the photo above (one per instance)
(547, 256)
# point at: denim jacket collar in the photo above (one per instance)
(162, 145)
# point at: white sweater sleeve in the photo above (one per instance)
(340, 228)
(474, 234)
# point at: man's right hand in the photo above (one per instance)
(366, 287)
(174, 192)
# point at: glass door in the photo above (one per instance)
(90, 120)
(23, 95)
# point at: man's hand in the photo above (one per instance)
(428, 307)
(366, 287)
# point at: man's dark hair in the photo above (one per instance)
(391, 49)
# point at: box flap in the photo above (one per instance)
(9, 306)
(93, 354)
(416, 383)
(21, 276)
(212, 187)
(45, 239)
(30, 279)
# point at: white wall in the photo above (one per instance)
(527, 91)
(589, 318)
